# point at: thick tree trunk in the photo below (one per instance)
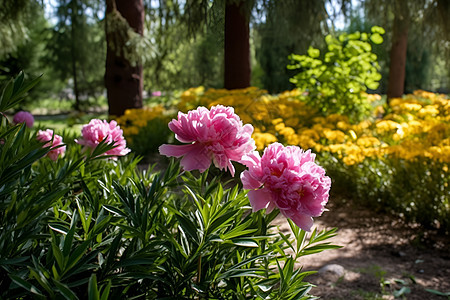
(397, 67)
(123, 80)
(237, 46)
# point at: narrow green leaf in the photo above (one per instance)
(77, 254)
(93, 292)
(105, 292)
(27, 286)
(68, 240)
(188, 227)
(436, 292)
(65, 290)
(243, 242)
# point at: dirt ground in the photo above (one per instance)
(381, 257)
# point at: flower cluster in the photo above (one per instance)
(92, 135)
(136, 119)
(286, 178)
(416, 126)
(100, 130)
(52, 140)
(24, 117)
(216, 135)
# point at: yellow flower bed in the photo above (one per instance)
(415, 126)
(135, 120)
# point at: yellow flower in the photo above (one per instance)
(334, 135)
(262, 140)
(428, 111)
(385, 126)
(368, 141)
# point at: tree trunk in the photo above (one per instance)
(397, 67)
(237, 45)
(74, 57)
(123, 80)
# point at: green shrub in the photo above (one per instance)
(336, 80)
(416, 191)
(86, 227)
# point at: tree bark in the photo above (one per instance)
(73, 24)
(397, 67)
(237, 45)
(123, 80)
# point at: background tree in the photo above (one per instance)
(397, 66)
(13, 32)
(75, 48)
(124, 72)
(290, 27)
(419, 23)
(186, 45)
(237, 72)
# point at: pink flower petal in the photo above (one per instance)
(98, 130)
(196, 159)
(176, 150)
(294, 182)
(216, 135)
(259, 199)
(303, 221)
(249, 182)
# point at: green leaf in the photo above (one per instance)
(401, 292)
(436, 292)
(93, 292)
(105, 292)
(27, 286)
(378, 29)
(77, 254)
(68, 240)
(376, 38)
(313, 52)
(188, 226)
(65, 291)
(244, 242)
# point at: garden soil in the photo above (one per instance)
(381, 257)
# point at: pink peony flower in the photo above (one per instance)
(97, 130)
(46, 136)
(289, 179)
(24, 117)
(215, 135)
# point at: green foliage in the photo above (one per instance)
(76, 50)
(13, 17)
(181, 60)
(150, 137)
(15, 91)
(416, 191)
(30, 56)
(87, 227)
(290, 26)
(336, 81)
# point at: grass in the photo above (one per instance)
(68, 123)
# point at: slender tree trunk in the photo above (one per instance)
(397, 67)
(123, 80)
(73, 24)
(237, 45)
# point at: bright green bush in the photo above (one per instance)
(335, 81)
(86, 227)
